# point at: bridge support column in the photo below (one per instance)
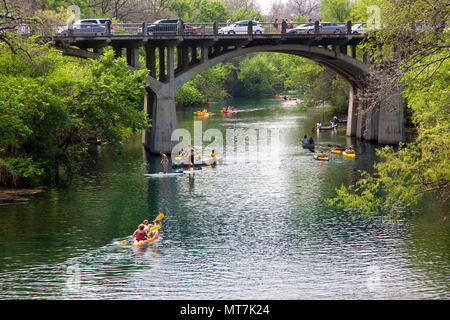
(133, 57)
(371, 127)
(161, 109)
(159, 103)
(352, 111)
(391, 128)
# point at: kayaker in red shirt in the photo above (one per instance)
(140, 233)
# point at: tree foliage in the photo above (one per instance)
(411, 51)
(51, 106)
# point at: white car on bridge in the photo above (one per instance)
(241, 27)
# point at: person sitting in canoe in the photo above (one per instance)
(335, 120)
(349, 150)
(305, 140)
(319, 125)
(213, 156)
(140, 233)
(311, 141)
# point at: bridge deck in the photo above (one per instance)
(92, 41)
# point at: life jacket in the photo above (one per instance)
(213, 154)
(140, 235)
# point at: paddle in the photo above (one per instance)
(159, 217)
(158, 226)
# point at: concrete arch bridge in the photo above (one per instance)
(182, 56)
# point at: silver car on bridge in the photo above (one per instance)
(241, 27)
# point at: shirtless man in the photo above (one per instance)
(164, 162)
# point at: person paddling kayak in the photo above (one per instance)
(350, 150)
(140, 233)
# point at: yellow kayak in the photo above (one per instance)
(316, 157)
(336, 151)
(349, 155)
(148, 241)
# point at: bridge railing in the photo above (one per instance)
(209, 28)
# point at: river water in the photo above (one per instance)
(256, 226)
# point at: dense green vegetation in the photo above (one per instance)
(51, 106)
(419, 62)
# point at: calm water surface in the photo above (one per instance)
(247, 229)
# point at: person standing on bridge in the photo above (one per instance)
(275, 25)
(291, 24)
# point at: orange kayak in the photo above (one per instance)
(148, 241)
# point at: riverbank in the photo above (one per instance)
(15, 195)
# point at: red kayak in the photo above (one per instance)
(288, 99)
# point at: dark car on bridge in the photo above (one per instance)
(168, 26)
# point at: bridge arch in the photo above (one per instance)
(160, 103)
(347, 67)
(383, 125)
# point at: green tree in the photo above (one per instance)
(51, 106)
(213, 11)
(419, 60)
(245, 13)
(258, 76)
(335, 10)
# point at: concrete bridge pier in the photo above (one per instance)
(391, 129)
(162, 111)
(352, 115)
(159, 102)
(382, 124)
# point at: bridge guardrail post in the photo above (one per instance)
(144, 28)
(316, 27)
(250, 27)
(349, 27)
(70, 29)
(215, 28)
(108, 28)
(180, 27)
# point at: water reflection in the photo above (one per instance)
(256, 227)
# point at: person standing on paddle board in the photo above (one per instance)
(164, 162)
(192, 156)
